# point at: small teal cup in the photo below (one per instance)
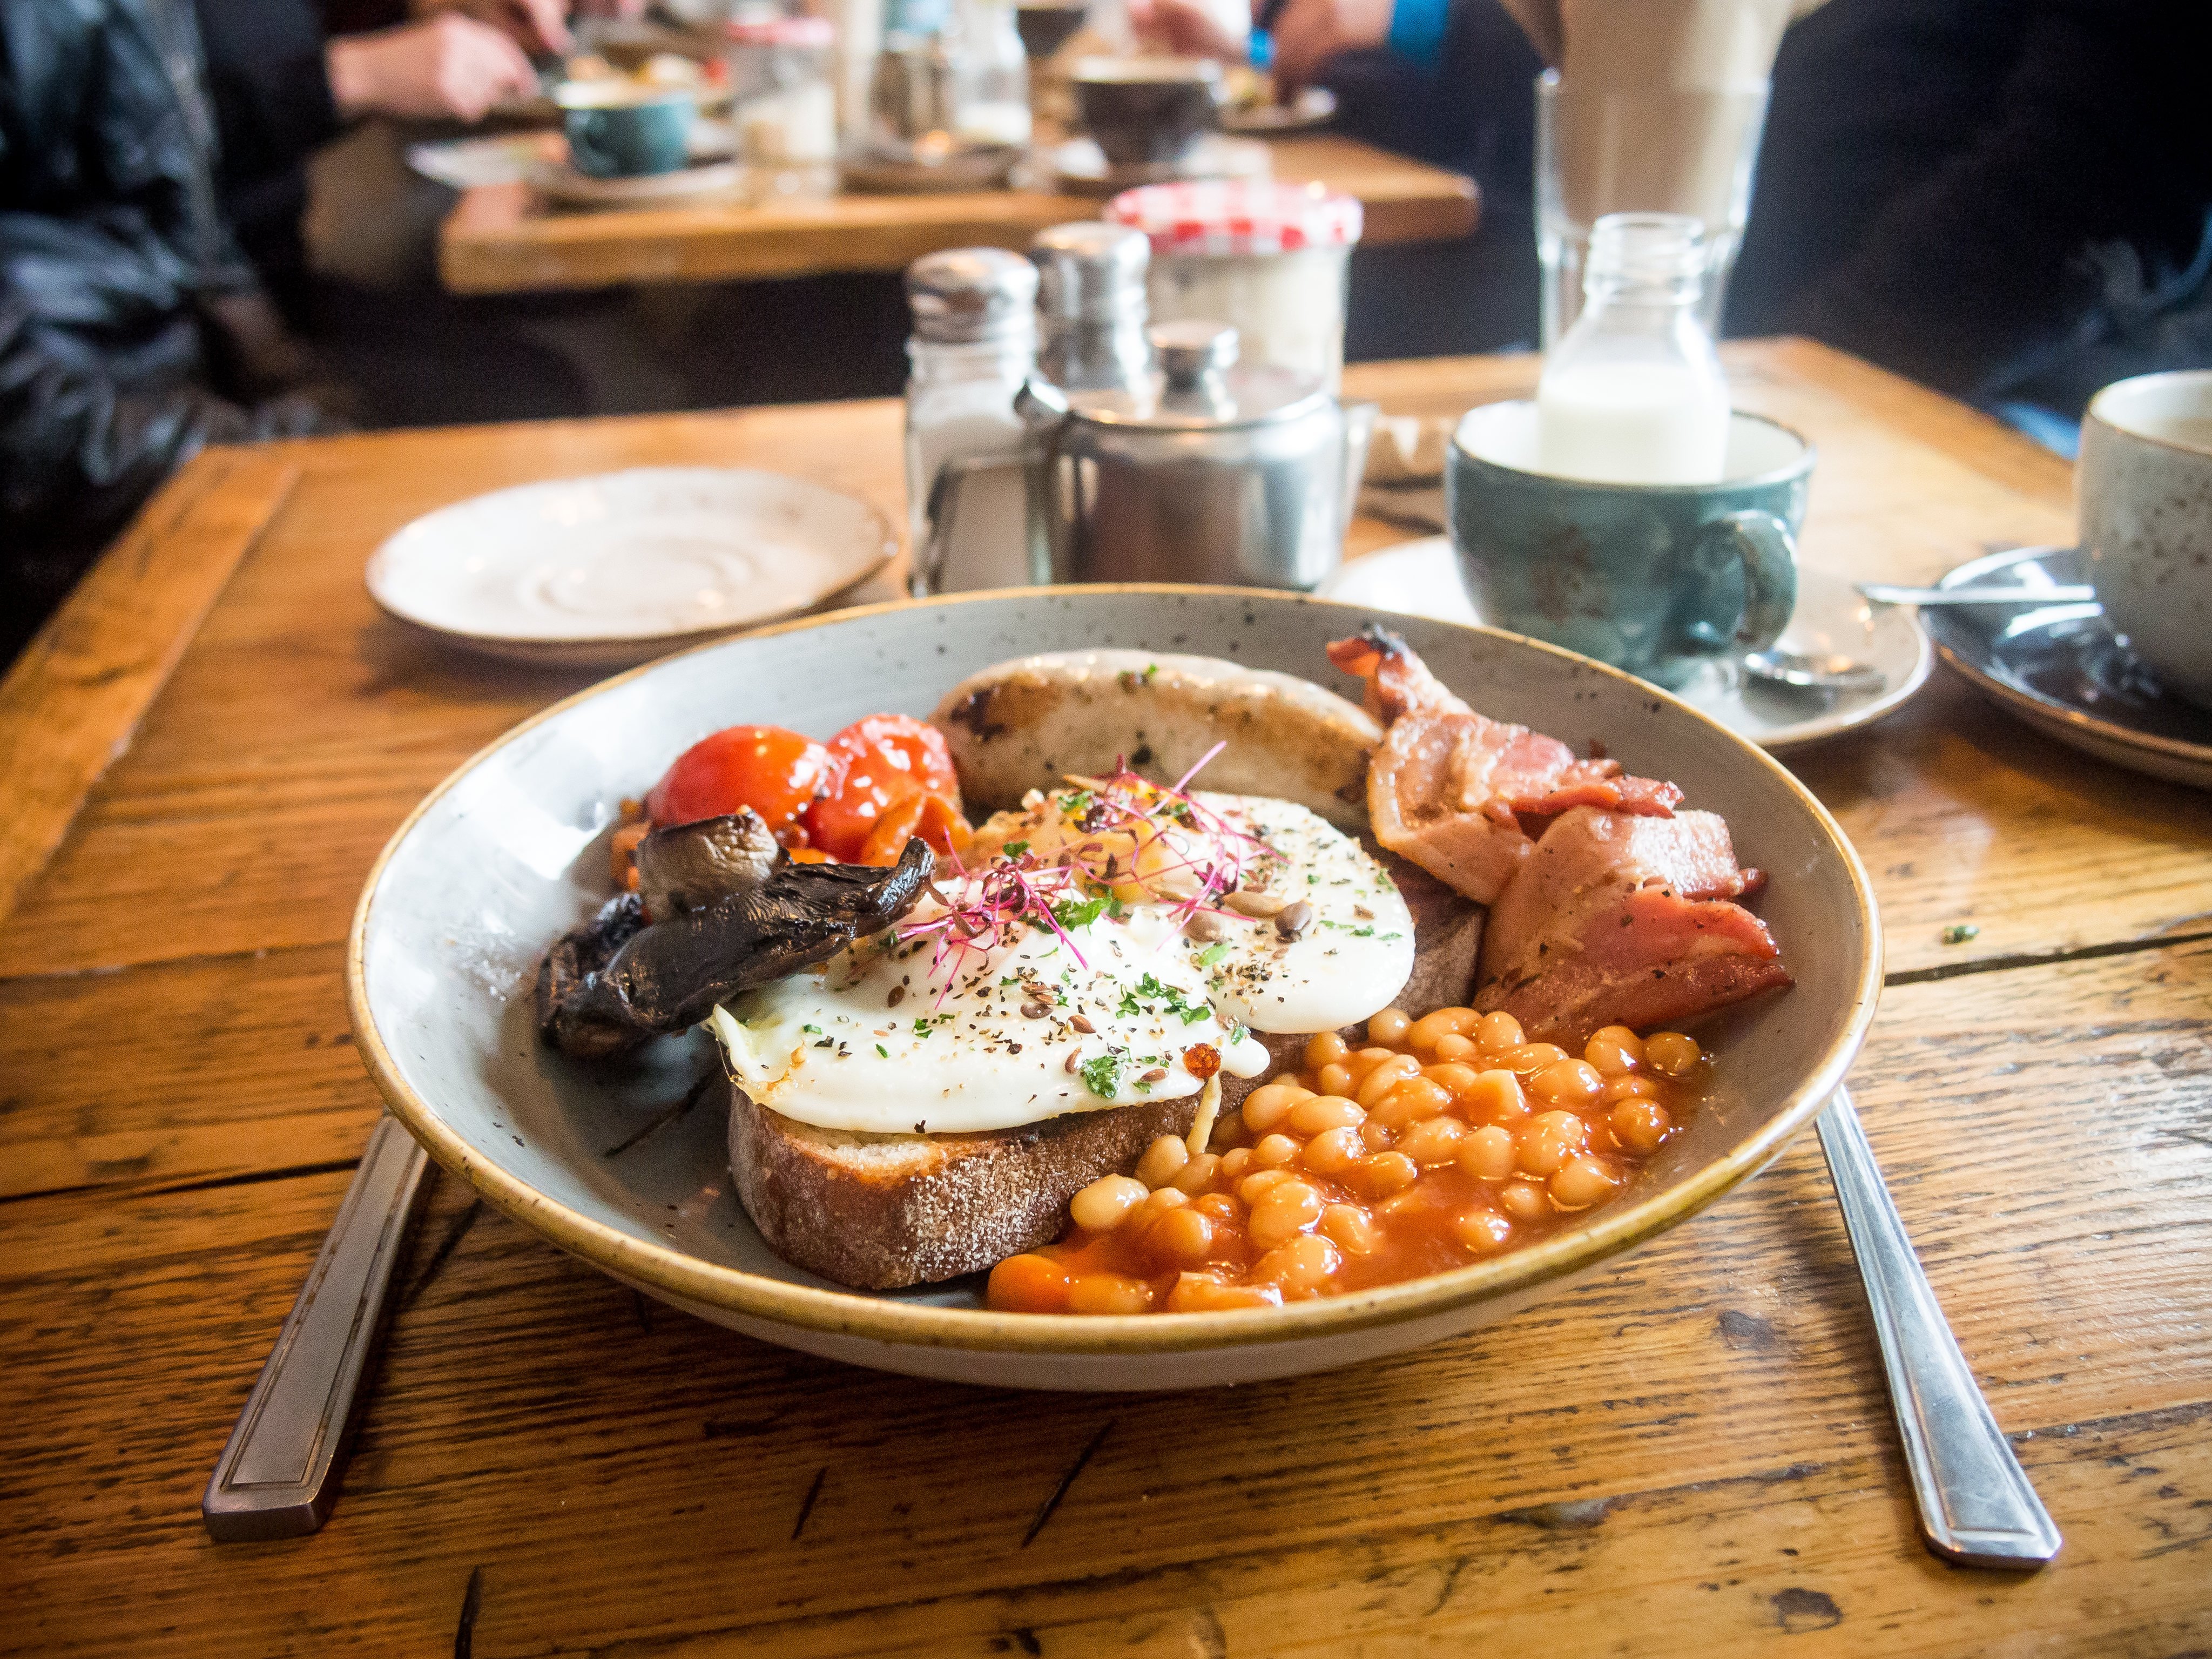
(1656, 578)
(616, 132)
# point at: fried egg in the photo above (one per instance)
(1128, 995)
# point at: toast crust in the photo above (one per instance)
(880, 1211)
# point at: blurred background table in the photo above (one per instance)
(500, 239)
(1688, 1454)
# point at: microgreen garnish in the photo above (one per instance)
(1102, 1075)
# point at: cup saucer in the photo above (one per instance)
(1422, 578)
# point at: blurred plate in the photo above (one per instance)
(1421, 578)
(1313, 107)
(614, 569)
(2061, 668)
(512, 850)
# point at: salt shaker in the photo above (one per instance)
(974, 345)
(1090, 306)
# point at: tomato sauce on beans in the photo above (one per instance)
(1440, 1141)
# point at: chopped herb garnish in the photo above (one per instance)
(1959, 933)
(1213, 953)
(1102, 1075)
(885, 1052)
(1072, 913)
(1016, 848)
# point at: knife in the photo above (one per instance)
(278, 1476)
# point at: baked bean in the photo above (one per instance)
(1451, 1045)
(1099, 1207)
(1548, 1140)
(1522, 1201)
(1347, 1224)
(1224, 1207)
(1499, 1032)
(1030, 1283)
(1382, 1173)
(1163, 1161)
(1495, 1098)
(1301, 1266)
(1333, 1079)
(1432, 1028)
(1204, 1293)
(1389, 1027)
(1413, 1099)
(1275, 1150)
(1377, 1136)
(1487, 1153)
(1384, 1076)
(1235, 1163)
(1185, 1236)
(1253, 1188)
(1641, 1124)
(1196, 1175)
(1670, 1053)
(1568, 1083)
(1531, 1058)
(1334, 1150)
(1615, 1051)
(1283, 1212)
(1155, 1205)
(1109, 1293)
(1631, 1088)
(1321, 1047)
(1318, 1112)
(1483, 1230)
(1452, 1075)
(1433, 1140)
(1269, 1103)
(1581, 1182)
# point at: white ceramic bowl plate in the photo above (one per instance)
(615, 568)
(512, 850)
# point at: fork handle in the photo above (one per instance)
(1977, 1507)
(278, 1477)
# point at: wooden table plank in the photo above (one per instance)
(70, 702)
(1696, 1433)
(501, 239)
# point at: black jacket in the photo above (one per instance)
(113, 244)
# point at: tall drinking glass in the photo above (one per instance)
(1602, 148)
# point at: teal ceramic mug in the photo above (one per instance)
(618, 130)
(1656, 578)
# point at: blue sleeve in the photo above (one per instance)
(1416, 29)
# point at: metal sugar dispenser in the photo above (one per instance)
(1204, 471)
(974, 346)
(1092, 307)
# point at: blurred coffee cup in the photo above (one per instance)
(1148, 112)
(626, 128)
(2144, 485)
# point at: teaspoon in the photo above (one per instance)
(1826, 671)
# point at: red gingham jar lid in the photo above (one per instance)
(1229, 216)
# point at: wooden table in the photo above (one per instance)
(500, 238)
(1688, 1455)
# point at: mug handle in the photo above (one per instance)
(584, 148)
(1768, 553)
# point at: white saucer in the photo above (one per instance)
(1422, 579)
(562, 183)
(626, 565)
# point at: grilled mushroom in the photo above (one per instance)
(689, 866)
(594, 1000)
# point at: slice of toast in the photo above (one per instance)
(881, 1211)
(878, 1212)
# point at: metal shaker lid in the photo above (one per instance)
(1090, 271)
(1200, 386)
(967, 294)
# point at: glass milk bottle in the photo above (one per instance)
(974, 344)
(1634, 393)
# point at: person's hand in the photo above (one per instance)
(536, 25)
(1309, 32)
(1184, 28)
(448, 66)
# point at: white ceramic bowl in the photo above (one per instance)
(511, 850)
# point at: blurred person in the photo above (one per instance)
(151, 155)
(2008, 200)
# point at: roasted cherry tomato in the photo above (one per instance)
(889, 765)
(776, 772)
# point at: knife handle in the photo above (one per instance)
(1977, 1507)
(278, 1477)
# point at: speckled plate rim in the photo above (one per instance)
(858, 1314)
(2063, 720)
(581, 650)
